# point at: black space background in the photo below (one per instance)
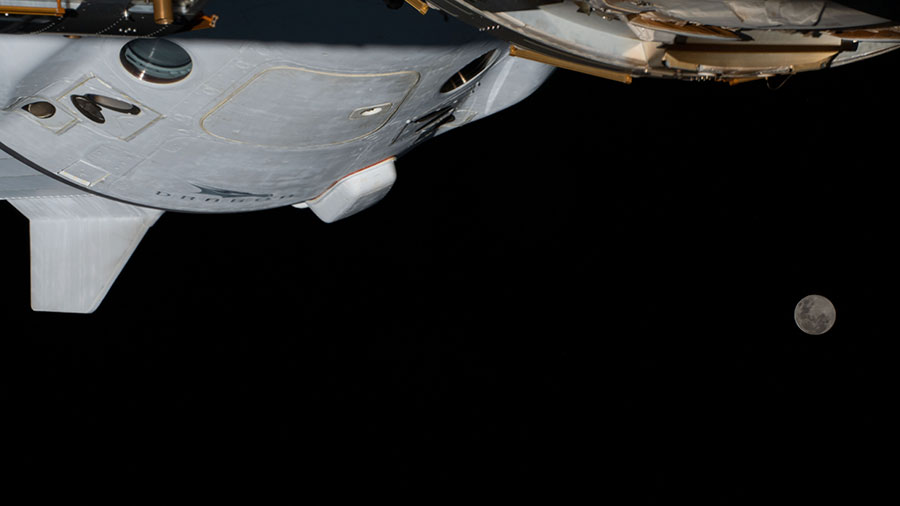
(592, 291)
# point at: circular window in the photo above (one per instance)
(156, 60)
(469, 72)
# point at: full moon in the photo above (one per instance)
(814, 315)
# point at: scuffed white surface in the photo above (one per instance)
(290, 140)
(511, 81)
(79, 245)
(18, 180)
(764, 13)
(778, 12)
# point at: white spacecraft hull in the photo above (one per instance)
(262, 120)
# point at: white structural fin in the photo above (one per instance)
(79, 245)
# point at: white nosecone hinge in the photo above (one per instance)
(79, 245)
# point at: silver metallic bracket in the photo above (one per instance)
(79, 245)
